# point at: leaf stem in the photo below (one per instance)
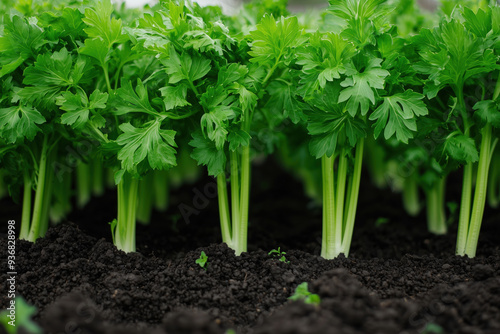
(328, 244)
(340, 198)
(436, 218)
(353, 197)
(244, 201)
(127, 205)
(106, 76)
(465, 207)
(480, 192)
(225, 221)
(39, 198)
(411, 201)
(26, 214)
(235, 193)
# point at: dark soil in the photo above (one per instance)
(397, 279)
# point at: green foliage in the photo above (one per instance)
(397, 115)
(279, 254)
(20, 122)
(302, 293)
(202, 261)
(23, 314)
(136, 84)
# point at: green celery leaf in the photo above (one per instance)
(174, 96)
(77, 107)
(273, 40)
(205, 153)
(134, 100)
(50, 70)
(247, 99)
(153, 31)
(215, 122)
(184, 67)
(238, 138)
(451, 54)
(462, 149)
(22, 39)
(102, 25)
(214, 96)
(67, 22)
(284, 100)
(215, 37)
(151, 142)
(325, 129)
(19, 122)
(359, 87)
(397, 115)
(96, 48)
(361, 18)
(323, 61)
(488, 112)
(478, 23)
(230, 74)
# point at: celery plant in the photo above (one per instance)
(345, 81)
(457, 57)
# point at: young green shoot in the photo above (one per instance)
(17, 318)
(279, 254)
(302, 293)
(202, 261)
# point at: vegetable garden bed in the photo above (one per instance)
(398, 279)
(179, 170)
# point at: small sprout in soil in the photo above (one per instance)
(302, 293)
(431, 328)
(381, 221)
(280, 254)
(230, 331)
(202, 261)
(18, 316)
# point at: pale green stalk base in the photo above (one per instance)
(465, 205)
(26, 215)
(37, 219)
(225, 220)
(470, 222)
(411, 201)
(127, 204)
(494, 182)
(145, 199)
(339, 208)
(234, 224)
(47, 195)
(436, 216)
(83, 184)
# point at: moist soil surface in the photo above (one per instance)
(397, 279)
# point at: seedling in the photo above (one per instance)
(202, 260)
(381, 221)
(280, 254)
(18, 315)
(302, 293)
